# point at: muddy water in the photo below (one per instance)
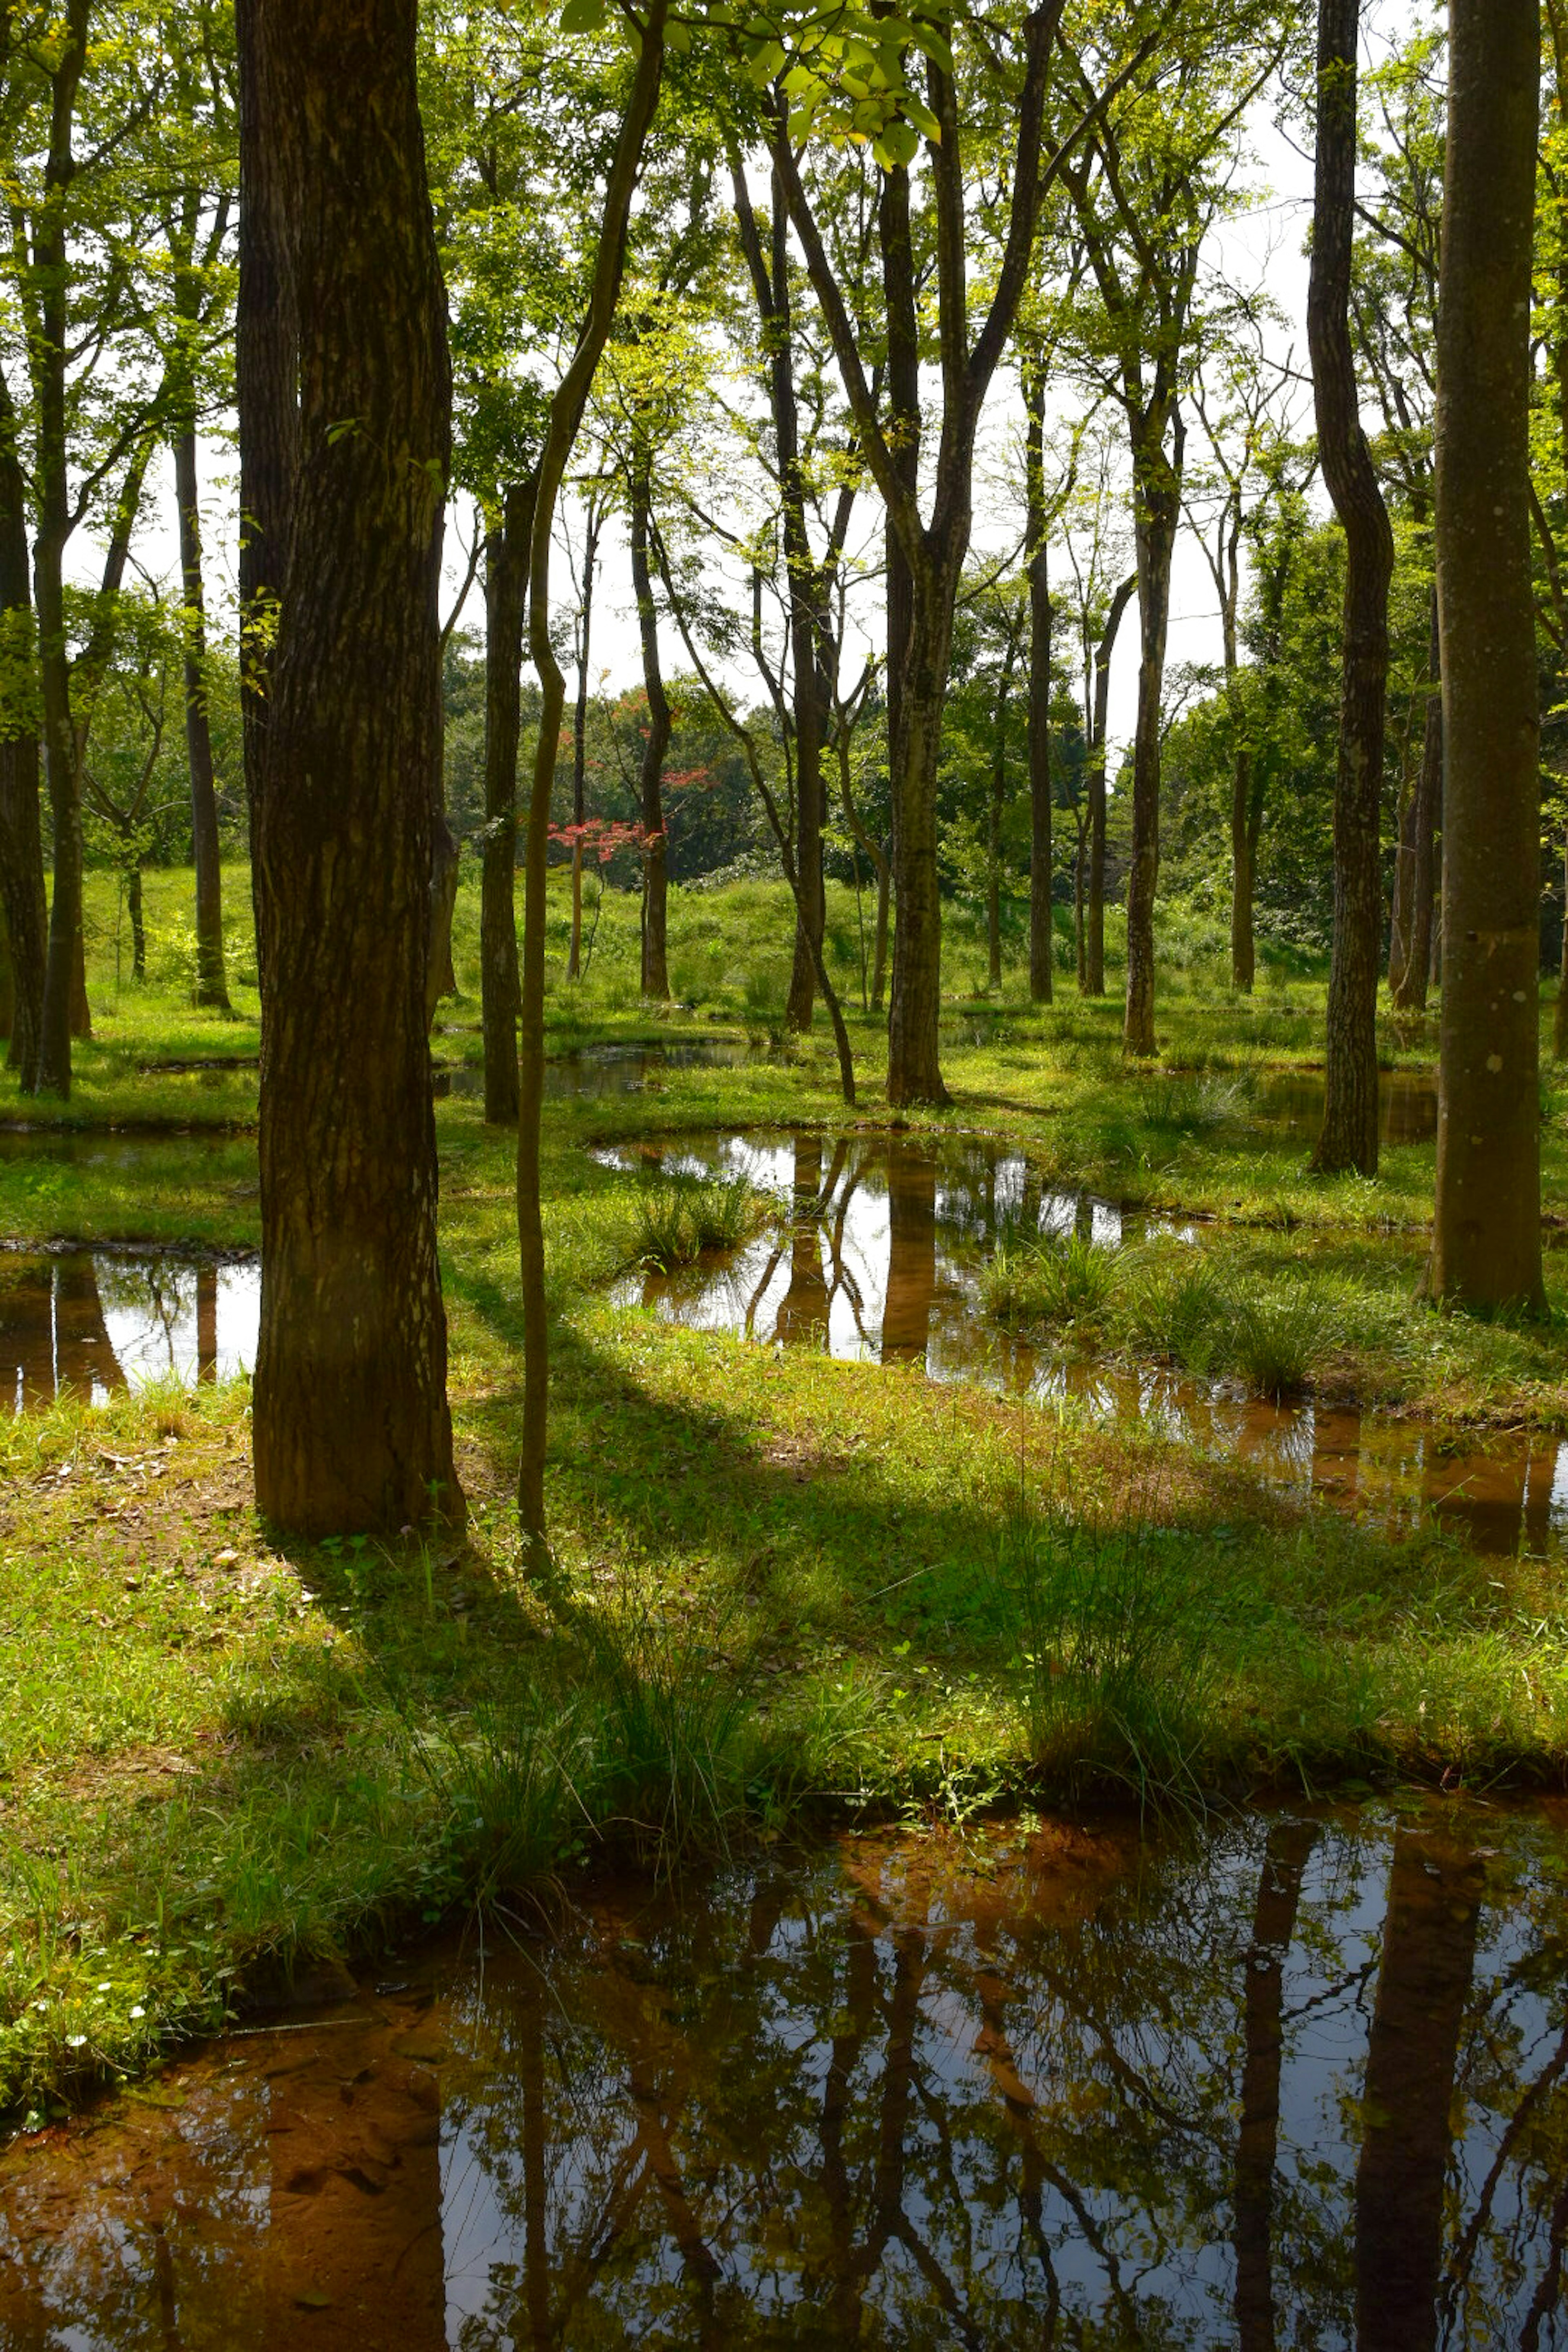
(1301, 2080)
(599, 1070)
(92, 1321)
(880, 1260)
(1406, 1105)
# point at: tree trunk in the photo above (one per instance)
(1243, 964)
(1560, 1016)
(1486, 1234)
(1094, 982)
(1042, 857)
(880, 948)
(1285, 1860)
(579, 740)
(565, 415)
(212, 985)
(997, 801)
(1349, 1136)
(656, 743)
(137, 926)
(914, 1072)
(351, 1427)
(1411, 994)
(1158, 511)
(1423, 1983)
(22, 894)
(506, 597)
(809, 715)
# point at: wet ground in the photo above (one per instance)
(1406, 1105)
(97, 1320)
(1293, 2079)
(880, 1260)
(600, 1070)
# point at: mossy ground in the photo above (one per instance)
(780, 1583)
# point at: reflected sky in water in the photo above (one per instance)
(94, 1321)
(1292, 2080)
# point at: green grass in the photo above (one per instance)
(782, 1585)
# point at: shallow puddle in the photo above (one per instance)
(96, 1320)
(1406, 1105)
(612, 1069)
(881, 1260)
(1298, 2079)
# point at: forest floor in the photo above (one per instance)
(783, 1583)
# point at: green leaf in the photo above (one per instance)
(582, 15)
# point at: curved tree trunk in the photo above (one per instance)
(656, 743)
(1349, 1136)
(1486, 1233)
(211, 984)
(506, 589)
(351, 1427)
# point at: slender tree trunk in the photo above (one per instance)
(1158, 504)
(996, 802)
(1094, 983)
(1285, 1860)
(22, 894)
(809, 714)
(565, 415)
(1349, 1136)
(1079, 878)
(579, 740)
(138, 924)
(506, 595)
(1560, 1016)
(351, 1427)
(656, 743)
(914, 1072)
(211, 984)
(1486, 1234)
(1243, 961)
(1410, 994)
(1042, 851)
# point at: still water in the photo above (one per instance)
(96, 1320)
(880, 1259)
(1291, 2080)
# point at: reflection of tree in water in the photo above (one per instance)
(84, 1354)
(161, 1296)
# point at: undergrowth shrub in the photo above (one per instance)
(676, 1219)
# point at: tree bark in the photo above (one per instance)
(580, 737)
(1407, 986)
(351, 1427)
(565, 415)
(22, 892)
(1094, 948)
(137, 926)
(506, 598)
(1349, 1135)
(1042, 850)
(1560, 1016)
(995, 805)
(656, 742)
(1486, 1233)
(211, 984)
(1157, 504)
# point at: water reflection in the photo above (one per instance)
(880, 1261)
(1406, 1105)
(1300, 2080)
(94, 1321)
(598, 1070)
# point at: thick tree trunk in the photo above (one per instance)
(1423, 1984)
(1349, 1135)
(1094, 979)
(212, 985)
(656, 743)
(351, 1427)
(1486, 1234)
(22, 894)
(506, 597)
(1158, 503)
(1042, 849)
